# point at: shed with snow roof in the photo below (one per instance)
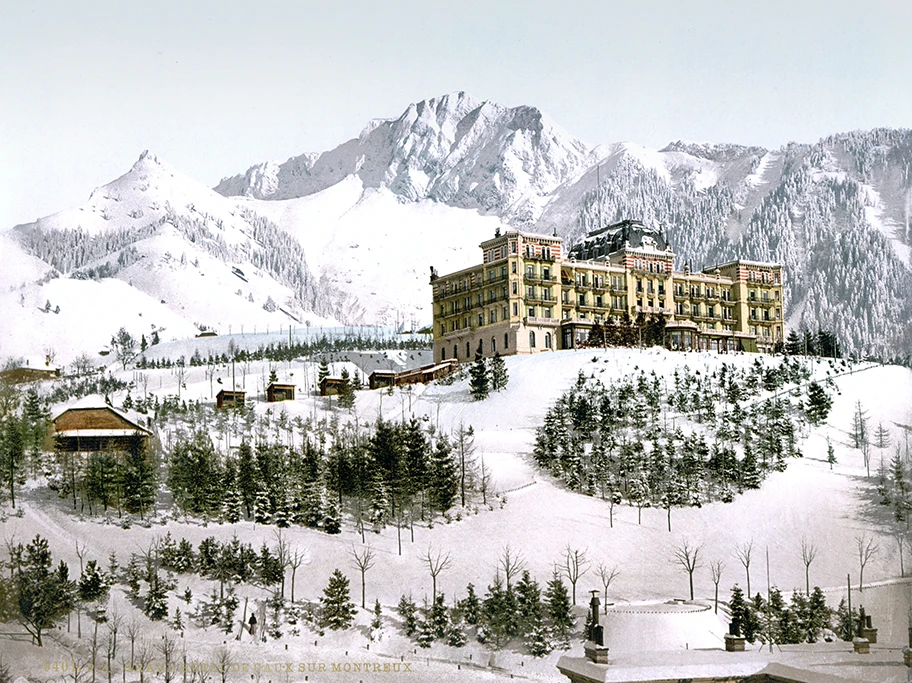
(97, 428)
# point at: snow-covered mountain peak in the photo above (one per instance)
(453, 149)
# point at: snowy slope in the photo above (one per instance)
(540, 518)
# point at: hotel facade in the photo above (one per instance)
(529, 296)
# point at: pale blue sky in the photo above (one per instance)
(213, 87)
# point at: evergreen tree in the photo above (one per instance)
(12, 452)
(93, 584)
(338, 611)
(818, 615)
(323, 371)
(498, 614)
(346, 391)
(45, 596)
(528, 603)
(443, 484)
(377, 622)
(846, 623)
(438, 618)
(233, 502)
(831, 454)
(273, 377)
(177, 623)
(479, 383)
(332, 521)
(262, 508)
(818, 404)
(246, 477)
(470, 606)
(499, 376)
(539, 642)
(738, 610)
(558, 608)
(793, 343)
(155, 605)
(409, 613)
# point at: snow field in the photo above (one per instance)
(540, 518)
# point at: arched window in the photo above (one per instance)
(547, 340)
(493, 345)
(532, 339)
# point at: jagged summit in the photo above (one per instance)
(453, 149)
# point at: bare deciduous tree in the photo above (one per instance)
(687, 556)
(363, 561)
(167, 647)
(297, 558)
(575, 564)
(867, 548)
(512, 564)
(224, 658)
(716, 568)
(144, 656)
(436, 563)
(607, 576)
(808, 555)
(133, 630)
(743, 553)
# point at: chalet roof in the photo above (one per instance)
(279, 385)
(79, 420)
(231, 392)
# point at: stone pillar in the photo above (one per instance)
(861, 646)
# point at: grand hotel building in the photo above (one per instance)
(528, 295)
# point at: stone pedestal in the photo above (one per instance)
(734, 643)
(862, 646)
(870, 634)
(596, 653)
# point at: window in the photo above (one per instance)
(531, 311)
(546, 252)
(480, 320)
(468, 352)
(582, 299)
(513, 267)
(442, 353)
(503, 313)
(455, 352)
(547, 312)
(532, 339)
(492, 316)
(546, 273)
(506, 341)
(515, 290)
(490, 276)
(503, 272)
(530, 292)
(513, 250)
(515, 308)
(493, 345)
(547, 340)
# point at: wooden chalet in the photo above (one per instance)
(98, 428)
(422, 375)
(280, 392)
(331, 386)
(228, 398)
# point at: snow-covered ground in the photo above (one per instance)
(537, 517)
